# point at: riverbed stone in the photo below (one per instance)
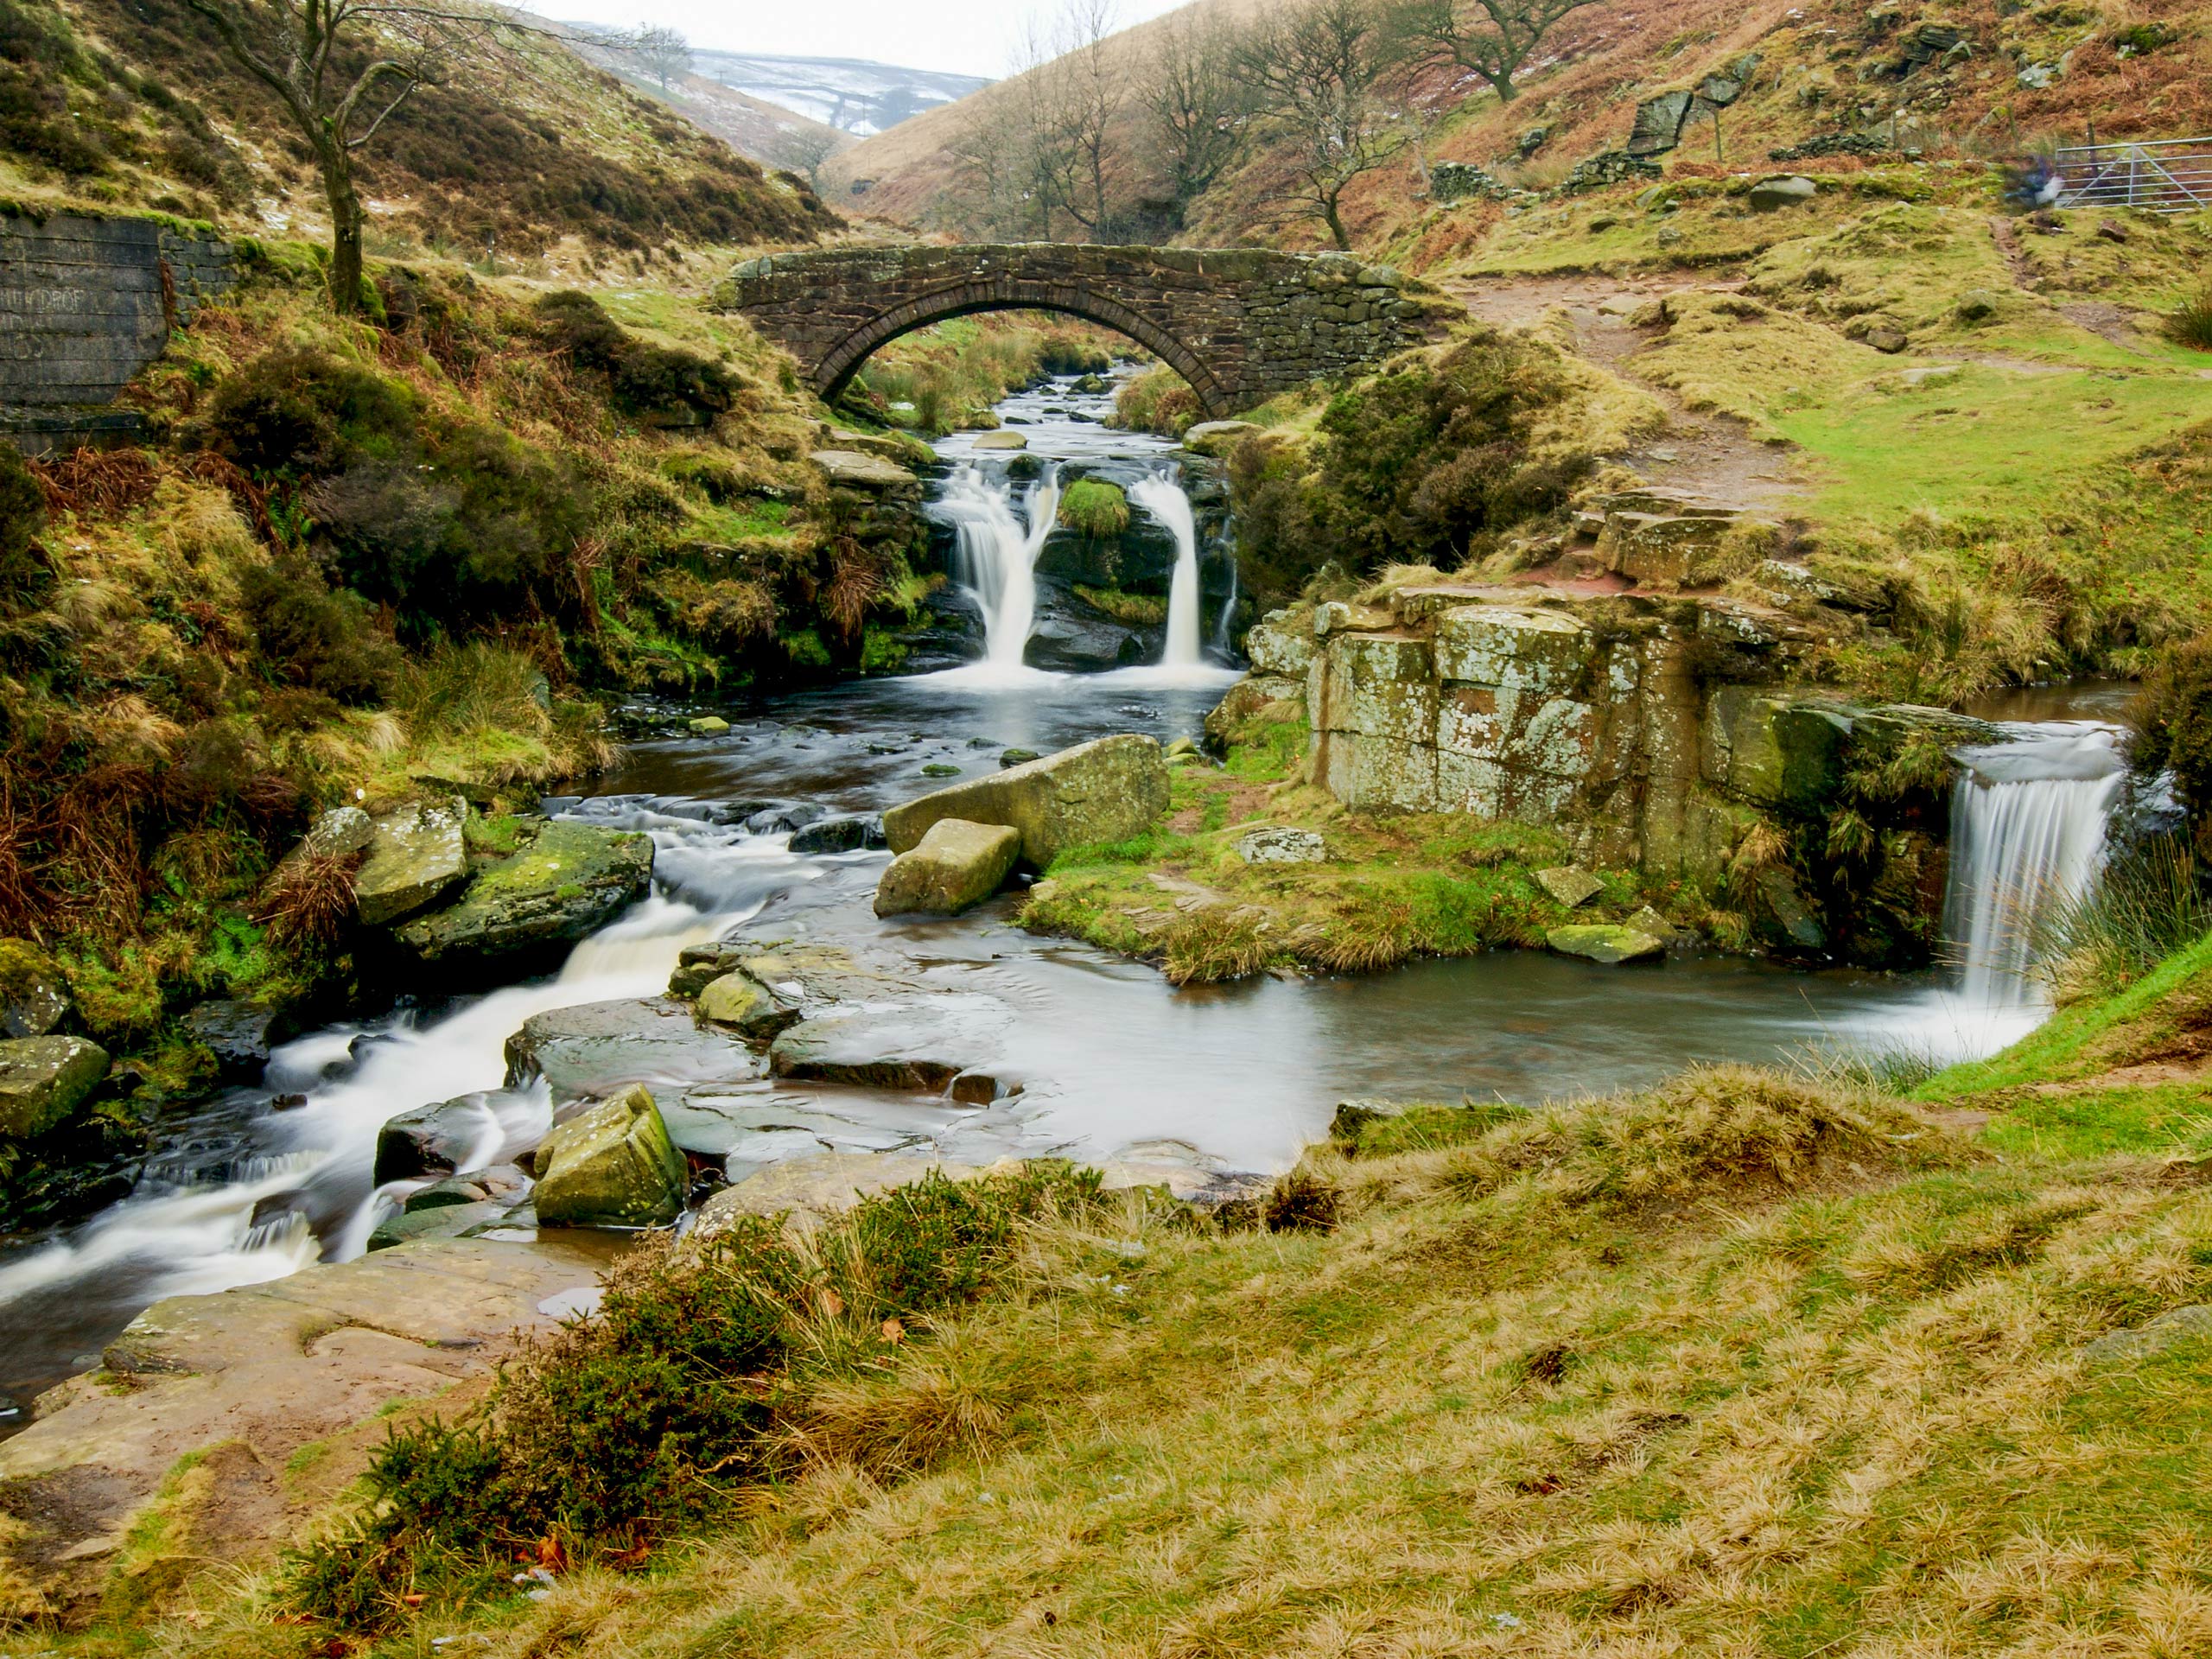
(851, 832)
(999, 441)
(1569, 887)
(1110, 789)
(1605, 942)
(33, 997)
(494, 1181)
(43, 1079)
(567, 881)
(595, 1049)
(611, 1166)
(433, 1140)
(915, 1043)
(415, 855)
(237, 1032)
(955, 866)
(736, 999)
(706, 726)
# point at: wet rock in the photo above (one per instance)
(412, 1226)
(1110, 789)
(707, 726)
(1777, 892)
(414, 855)
(850, 833)
(599, 1048)
(569, 881)
(1569, 887)
(1016, 758)
(737, 999)
(1770, 194)
(43, 1079)
(1067, 643)
(1648, 920)
(982, 1088)
(498, 1181)
(1282, 846)
(955, 866)
(1602, 942)
(434, 1140)
(237, 1033)
(1353, 1116)
(612, 1166)
(1000, 441)
(1775, 750)
(940, 769)
(33, 997)
(916, 1043)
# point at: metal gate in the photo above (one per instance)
(2172, 175)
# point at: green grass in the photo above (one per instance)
(2099, 1123)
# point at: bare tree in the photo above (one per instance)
(1076, 95)
(661, 52)
(1317, 70)
(807, 151)
(304, 51)
(1494, 38)
(1197, 109)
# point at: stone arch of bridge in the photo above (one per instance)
(842, 361)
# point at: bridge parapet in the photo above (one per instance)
(1239, 324)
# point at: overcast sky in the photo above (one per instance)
(971, 37)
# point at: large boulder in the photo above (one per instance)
(43, 1079)
(1110, 789)
(1073, 642)
(414, 855)
(33, 997)
(612, 1166)
(568, 880)
(433, 1140)
(956, 866)
(237, 1034)
(600, 1048)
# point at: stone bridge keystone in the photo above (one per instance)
(1239, 324)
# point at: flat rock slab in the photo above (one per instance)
(311, 1359)
(1568, 886)
(915, 1044)
(1282, 846)
(761, 1127)
(1601, 942)
(597, 1049)
(415, 855)
(43, 1079)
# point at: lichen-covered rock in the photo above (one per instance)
(1769, 194)
(1605, 943)
(612, 1165)
(1662, 550)
(1282, 846)
(43, 1079)
(868, 475)
(1107, 790)
(1275, 645)
(33, 997)
(736, 999)
(339, 833)
(1570, 888)
(415, 855)
(955, 866)
(569, 881)
(1775, 750)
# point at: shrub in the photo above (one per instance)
(1061, 354)
(646, 381)
(2173, 722)
(2191, 324)
(299, 412)
(1157, 401)
(308, 635)
(23, 515)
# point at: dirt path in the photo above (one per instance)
(1707, 454)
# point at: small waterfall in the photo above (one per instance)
(996, 552)
(1162, 497)
(1222, 642)
(2028, 827)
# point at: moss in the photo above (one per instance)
(1138, 610)
(1094, 508)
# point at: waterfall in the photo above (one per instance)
(995, 553)
(1222, 642)
(2028, 826)
(1163, 497)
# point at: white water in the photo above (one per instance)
(1162, 497)
(996, 549)
(2029, 820)
(1222, 642)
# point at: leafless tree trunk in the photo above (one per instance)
(1076, 94)
(661, 53)
(1316, 69)
(1197, 109)
(302, 50)
(1494, 38)
(807, 151)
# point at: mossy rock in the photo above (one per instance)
(565, 881)
(612, 1166)
(1094, 508)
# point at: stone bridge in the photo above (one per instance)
(1240, 325)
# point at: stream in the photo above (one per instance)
(1115, 1061)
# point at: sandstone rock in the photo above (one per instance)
(1600, 942)
(1000, 441)
(1658, 124)
(1110, 789)
(415, 855)
(43, 1079)
(599, 1048)
(1660, 551)
(569, 881)
(955, 866)
(1273, 696)
(1274, 647)
(433, 1140)
(915, 1043)
(235, 1033)
(1527, 650)
(1569, 887)
(851, 832)
(413, 1226)
(612, 1166)
(1769, 194)
(1282, 846)
(495, 1181)
(1777, 890)
(1775, 751)
(739, 1000)
(870, 474)
(1889, 341)
(339, 833)
(33, 997)
(1217, 438)
(707, 726)
(1648, 920)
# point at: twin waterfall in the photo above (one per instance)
(998, 537)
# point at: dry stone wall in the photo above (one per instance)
(86, 303)
(1240, 325)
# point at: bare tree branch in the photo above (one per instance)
(1494, 38)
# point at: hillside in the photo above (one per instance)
(851, 94)
(2002, 77)
(112, 102)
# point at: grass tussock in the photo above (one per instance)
(2191, 323)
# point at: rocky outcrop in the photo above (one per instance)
(1107, 790)
(33, 997)
(611, 1166)
(566, 881)
(955, 866)
(43, 1080)
(414, 856)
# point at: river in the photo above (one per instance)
(1115, 1061)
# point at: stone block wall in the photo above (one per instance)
(86, 303)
